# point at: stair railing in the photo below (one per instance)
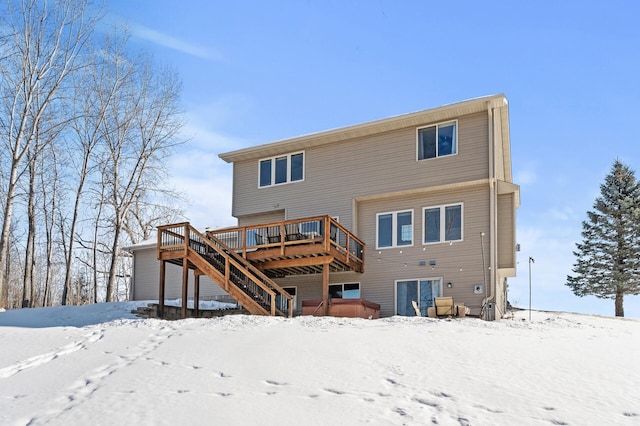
(284, 301)
(235, 269)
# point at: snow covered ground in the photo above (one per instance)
(99, 365)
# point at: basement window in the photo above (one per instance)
(344, 291)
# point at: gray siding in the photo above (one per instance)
(146, 276)
(335, 174)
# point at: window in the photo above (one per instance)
(394, 229)
(420, 291)
(344, 291)
(435, 217)
(437, 141)
(265, 172)
(282, 303)
(283, 169)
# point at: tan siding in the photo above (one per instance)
(362, 168)
(273, 216)
(337, 173)
(147, 279)
(501, 299)
(499, 154)
(459, 263)
(506, 231)
(310, 286)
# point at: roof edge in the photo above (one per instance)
(364, 129)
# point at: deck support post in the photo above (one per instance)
(161, 290)
(196, 294)
(325, 289)
(185, 286)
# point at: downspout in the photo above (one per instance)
(132, 278)
(492, 206)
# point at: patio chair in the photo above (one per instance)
(293, 232)
(444, 306)
(333, 231)
(260, 240)
(273, 234)
(416, 308)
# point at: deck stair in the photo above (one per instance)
(183, 245)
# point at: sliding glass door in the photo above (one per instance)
(421, 291)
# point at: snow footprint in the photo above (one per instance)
(47, 357)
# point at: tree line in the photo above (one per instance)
(86, 129)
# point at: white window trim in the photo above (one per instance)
(295, 297)
(395, 289)
(436, 125)
(394, 226)
(273, 169)
(349, 282)
(442, 208)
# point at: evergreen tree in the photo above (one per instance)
(608, 259)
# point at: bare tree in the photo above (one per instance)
(34, 191)
(142, 130)
(40, 45)
(50, 195)
(29, 261)
(95, 91)
(145, 215)
(116, 117)
(97, 249)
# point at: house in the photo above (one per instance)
(397, 210)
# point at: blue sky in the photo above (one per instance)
(256, 72)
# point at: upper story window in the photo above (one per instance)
(394, 229)
(282, 169)
(438, 141)
(442, 223)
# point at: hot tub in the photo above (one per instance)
(349, 308)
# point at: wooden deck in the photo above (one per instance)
(244, 260)
(296, 246)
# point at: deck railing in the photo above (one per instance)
(243, 275)
(320, 229)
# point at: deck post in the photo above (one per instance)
(187, 243)
(326, 235)
(325, 289)
(161, 289)
(185, 285)
(196, 294)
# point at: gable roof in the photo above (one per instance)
(419, 118)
